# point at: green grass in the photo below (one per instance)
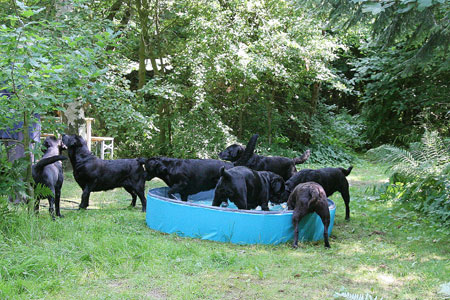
(108, 252)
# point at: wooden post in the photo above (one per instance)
(88, 132)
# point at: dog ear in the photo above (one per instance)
(46, 144)
(277, 185)
(224, 173)
(238, 151)
(141, 160)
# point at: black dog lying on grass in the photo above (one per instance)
(331, 179)
(93, 174)
(248, 188)
(189, 176)
(306, 198)
(285, 167)
(48, 172)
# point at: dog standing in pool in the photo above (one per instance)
(306, 198)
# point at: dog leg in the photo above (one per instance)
(178, 188)
(57, 203)
(143, 200)
(133, 199)
(133, 195)
(324, 215)
(51, 209)
(346, 195)
(85, 198)
(296, 218)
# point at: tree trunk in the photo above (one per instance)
(241, 118)
(28, 173)
(142, 66)
(73, 116)
(315, 97)
(269, 117)
(142, 9)
(114, 9)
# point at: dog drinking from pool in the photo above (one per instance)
(306, 198)
(247, 188)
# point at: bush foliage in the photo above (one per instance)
(420, 175)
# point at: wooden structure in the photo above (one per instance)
(106, 143)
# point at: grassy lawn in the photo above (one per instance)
(108, 252)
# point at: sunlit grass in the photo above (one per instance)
(108, 252)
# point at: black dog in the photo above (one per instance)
(48, 172)
(306, 198)
(189, 176)
(248, 188)
(93, 174)
(184, 176)
(285, 167)
(331, 179)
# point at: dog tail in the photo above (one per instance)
(47, 161)
(315, 196)
(346, 172)
(303, 158)
(248, 153)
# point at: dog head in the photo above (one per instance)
(284, 196)
(230, 186)
(154, 167)
(232, 153)
(73, 141)
(52, 142)
(277, 188)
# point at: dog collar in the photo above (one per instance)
(143, 165)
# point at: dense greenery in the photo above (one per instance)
(420, 175)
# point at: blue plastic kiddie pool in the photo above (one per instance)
(198, 219)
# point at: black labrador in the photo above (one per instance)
(248, 188)
(184, 176)
(48, 172)
(283, 166)
(189, 176)
(331, 179)
(94, 174)
(306, 198)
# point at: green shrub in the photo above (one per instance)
(420, 175)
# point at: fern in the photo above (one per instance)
(429, 157)
(348, 296)
(420, 175)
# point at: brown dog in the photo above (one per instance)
(306, 198)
